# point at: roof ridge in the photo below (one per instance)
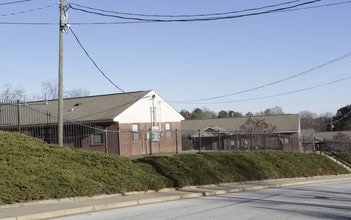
(92, 96)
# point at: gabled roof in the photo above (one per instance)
(289, 123)
(102, 108)
(132, 107)
(310, 136)
(211, 132)
(330, 134)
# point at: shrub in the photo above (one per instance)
(30, 169)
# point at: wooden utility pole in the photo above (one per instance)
(63, 24)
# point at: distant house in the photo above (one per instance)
(114, 123)
(225, 133)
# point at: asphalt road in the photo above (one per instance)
(330, 200)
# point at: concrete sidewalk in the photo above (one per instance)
(62, 207)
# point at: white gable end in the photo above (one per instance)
(141, 111)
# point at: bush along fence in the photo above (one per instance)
(109, 138)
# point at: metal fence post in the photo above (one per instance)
(150, 131)
(18, 116)
(343, 146)
(333, 144)
(119, 142)
(199, 140)
(303, 144)
(251, 141)
(219, 140)
(106, 141)
(325, 145)
(236, 140)
(176, 134)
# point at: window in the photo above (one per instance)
(136, 133)
(285, 140)
(168, 130)
(97, 136)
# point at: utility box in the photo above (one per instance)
(155, 133)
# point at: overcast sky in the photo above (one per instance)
(297, 59)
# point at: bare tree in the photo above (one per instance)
(307, 119)
(257, 125)
(276, 110)
(322, 122)
(49, 89)
(207, 114)
(77, 93)
(11, 94)
(310, 120)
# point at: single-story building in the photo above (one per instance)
(226, 133)
(113, 123)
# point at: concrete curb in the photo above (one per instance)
(155, 197)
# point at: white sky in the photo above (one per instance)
(185, 61)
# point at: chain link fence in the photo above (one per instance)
(238, 141)
(27, 119)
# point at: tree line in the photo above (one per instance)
(199, 113)
(341, 121)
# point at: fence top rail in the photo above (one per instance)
(338, 141)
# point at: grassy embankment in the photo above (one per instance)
(30, 169)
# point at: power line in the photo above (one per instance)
(98, 68)
(27, 23)
(72, 23)
(27, 11)
(287, 10)
(319, 6)
(275, 82)
(194, 19)
(152, 21)
(110, 23)
(192, 15)
(15, 2)
(91, 59)
(270, 96)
